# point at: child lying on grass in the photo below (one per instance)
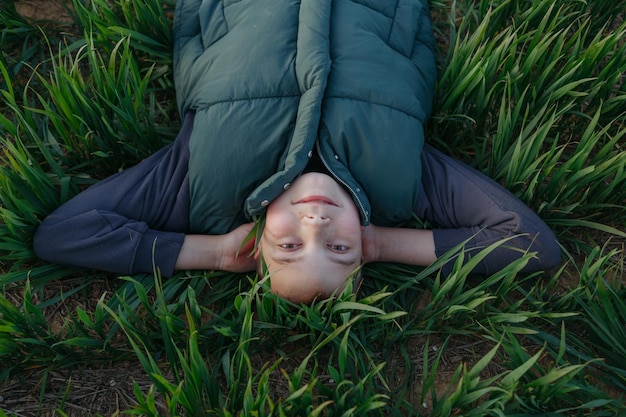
(310, 113)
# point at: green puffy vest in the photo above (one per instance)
(271, 79)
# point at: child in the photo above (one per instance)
(311, 113)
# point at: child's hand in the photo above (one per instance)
(235, 257)
(218, 252)
(369, 243)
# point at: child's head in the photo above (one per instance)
(311, 242)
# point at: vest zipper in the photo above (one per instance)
(345, 185)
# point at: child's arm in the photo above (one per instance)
(128, 223)
(392, 244)
(468, 207)
(104, 240)
(218, 252)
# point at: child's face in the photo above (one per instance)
(312, 238)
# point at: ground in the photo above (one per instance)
(44, 10)
(108, 387)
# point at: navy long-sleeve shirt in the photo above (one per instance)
(137, 219)
(125, 222)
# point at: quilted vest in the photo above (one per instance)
(271, 79)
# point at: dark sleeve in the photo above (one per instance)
(107, 241)
(127, 222)
(464, 204)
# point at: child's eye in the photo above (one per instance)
(289, 246)
(338, 248)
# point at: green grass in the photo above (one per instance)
(533, 93)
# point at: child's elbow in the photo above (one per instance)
(548, 251)
(41, 245)
(48, 242)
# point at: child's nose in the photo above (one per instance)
(316, 218)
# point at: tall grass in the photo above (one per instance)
(536, 95)
(530, 92)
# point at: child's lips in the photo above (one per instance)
(318, 199)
